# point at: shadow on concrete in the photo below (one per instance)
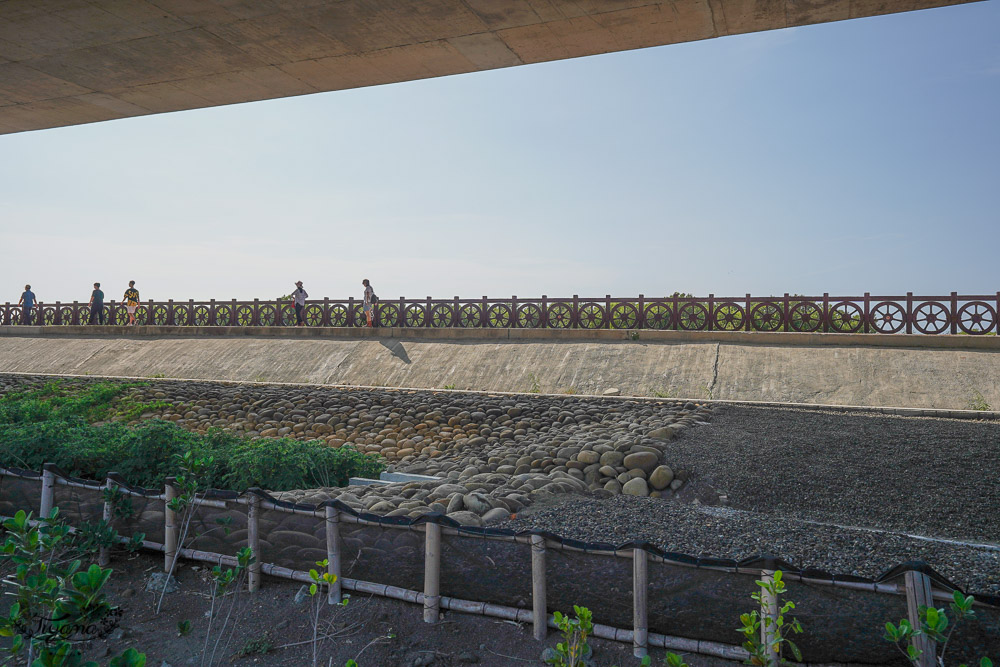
(397, 350)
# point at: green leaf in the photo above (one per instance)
(795, 650)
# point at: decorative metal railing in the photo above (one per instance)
(952, 314)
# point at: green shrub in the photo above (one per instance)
(51, 424)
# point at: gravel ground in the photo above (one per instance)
(929, 476)
(726, 533)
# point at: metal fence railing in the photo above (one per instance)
(909, 313)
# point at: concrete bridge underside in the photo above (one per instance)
(67, 62)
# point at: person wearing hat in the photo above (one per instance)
(300, 296)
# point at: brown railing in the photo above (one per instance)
(952, 314)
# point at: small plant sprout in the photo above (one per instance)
(935, 625)
(571, 651)
(669, 660)
(319, 581)
(765, 635)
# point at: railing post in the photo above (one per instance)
(190, 317)
(232, 314)
(539, 605)
(76, 312)
(255, 320)
(826, 312)
(170, 527)
(543, 320)
(279, 319)
(748, 319)
(427, 313)
(954, 312)
(170, 312)
(786, 316)
(909, 312)
(456, 318)
(48, 490)
(212, 320)
(432, 572)
(919, 594)
(333, 553)
(483, 319)
(326, 312)
(769, 610)
(574, 321)
(253, 540)
(350, 311)
(149, 312)
(709, 325)
(607, 311)
(513, 311)
(640, 581)
(641, 315)
(104, 554)
(868, 312)
(57, 316)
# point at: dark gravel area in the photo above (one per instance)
(929, 476)
(726, 533)
(782, 469)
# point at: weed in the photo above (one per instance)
(183, 628)
(978, 402)
(157, 375)
(257, 646)
(536, 386)
(669, 393)
(632, 335)
(449, 386)
(569, 390)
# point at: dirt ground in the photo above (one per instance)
(373, 631)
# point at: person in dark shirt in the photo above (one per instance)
(96, 305)
(27, 302)
(131, 300)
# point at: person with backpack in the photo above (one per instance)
(131, 300)
(371, 299)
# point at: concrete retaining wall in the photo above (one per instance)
(905, 371)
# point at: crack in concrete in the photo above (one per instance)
(715, 372)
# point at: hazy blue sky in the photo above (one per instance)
(851, 156)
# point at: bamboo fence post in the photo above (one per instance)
(48, 490)
(333, 553)
(432, 572)
(640, 581)
(538, 602)
(170, 526)
(769, 610)
(104, 555)
(253, 540)
(919, 594)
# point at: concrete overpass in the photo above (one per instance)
(67, 62)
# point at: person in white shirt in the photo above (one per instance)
(300, 296)
(370, 301)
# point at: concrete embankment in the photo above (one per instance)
(949, 372)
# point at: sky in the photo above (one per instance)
(845, 157)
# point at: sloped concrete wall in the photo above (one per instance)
(740, 368)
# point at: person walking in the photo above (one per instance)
(300, 296)
(131, 300)
(96, 305)
(369, 304)
(27, 302)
